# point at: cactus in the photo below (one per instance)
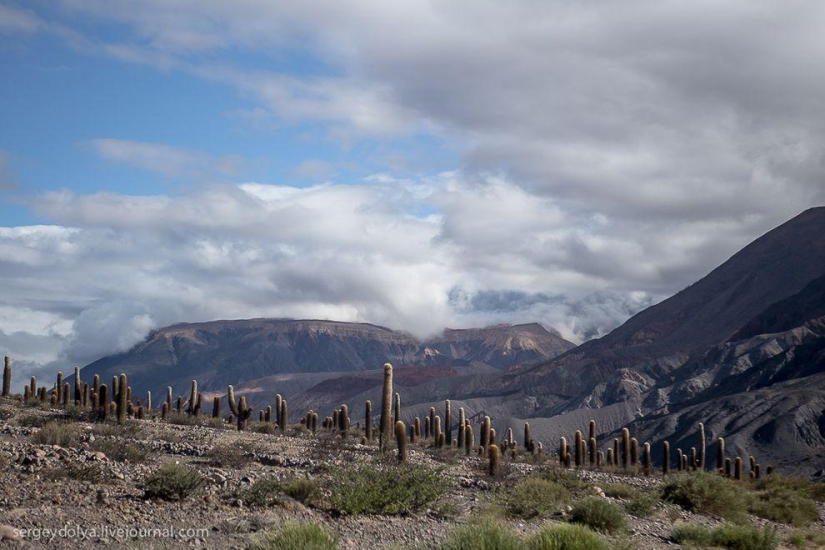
(492, 437)
(417, 428)
(757, 470)
(169, 397)
(591, 430)
(342, 421)
(615, 451)
(461, 427)
(401, 440)
(494, 454)
(278, 400)
(77, 386)
(121, 398)
(244, 413)
(129, 394)
(485, 432)
(610, 458)
(284, 416)
(58, 386)
(432, 423)
(179, 404)
(193, 398)
(578, 449)
(679, 460)
(67, 390)
(693, 459)
(268, 414)
(702, 446)
(53, 399)
(737, 469)
(647, 463)
(368, 421)
(216, 406)
(752, 462)
(599, 458)
(314, 423)
(397, 409)
(727, 466)
(33, 386)
(665, 458)
(7, 377)
(720, 453)
(230, 397)
(437, 432)
(625, 448)
(593, 452)
(527, 436)
(199, 405)
(385, 426)
(148, 400)
(469, 435)
(634, 452)
(562, 450)
(428, 428)
(448, 422)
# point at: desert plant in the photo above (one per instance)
(7, 377)
(535, 497)
(690, 534)
(494, 454)
(234, 457)
(121, 398)
(367, 489)
(401, 440)
(784, 505)
(744, 537)
(702, 447)
(293, 535)
(58, 433)
(120, 451)
(562, 536)
(172, 482)
(303, 490)
(707, 493)
(625, 448)
(368, 420)
(385, 425)
(483, 535)
(599, 514)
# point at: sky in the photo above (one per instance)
(412, 164)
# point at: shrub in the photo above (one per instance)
(58, 433)
(784, 505)
(620, 490)
(303, 490)
(708, 493)
(120, 451)
(568, 480)
(807, 539)
(372, 489)
(744, 537)
(642, 505)
(566, 537)
(172, 482)
(599, 514)
(805, 487)
(90, 472)
(262, 493)
(535, 497)
(691, 535)
(294, 536)
(234, 457)
(483, 535)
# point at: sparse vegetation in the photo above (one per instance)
(120, 450)
(566, 537)
(734, 537)
(782, 504)
(58, 433)
(294, 536)
(371, 489)
(483, 535)
(172, 482)
(707, 493)
(535, 497)
(599, 514)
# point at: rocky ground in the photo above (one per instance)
(89, 491)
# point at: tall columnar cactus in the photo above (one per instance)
(148, 401)
(104, 398)
(616, 451)
(469, 437)
(720, 453)
(527, 436)
(702, 447)
(727, 466)
(115, 388)
(461, 427)
(33, 385)
(343, 420)
(67, 390)
(679, 460)
(27, 394)
(647, 462)
(216, 406)
(625, 448)
(401, 440)
(492, 440)
(437, 431)
(485, 432)
(169, 397)
(428, 427)
(268, 414)
(694, 461)
(737, 469)
(634, 452)
(278, 400)
(7, 377)
(591, 430)
(244, 413)
(494, 453)
(284, 416)
(193, 398)
(665, 458)
(417, 428)
(611, 460)
(198, 405)
(396, 409)
(578, 448)
(230, 398)
(368, 420)
(179, 404)
(448, 422)
(314, 423)
(432, 423)
(594, 449)
(58, 386)
(123, 384)
(77, 386)
(562, 451)
(385, 426)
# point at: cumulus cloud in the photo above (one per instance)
(611, 154)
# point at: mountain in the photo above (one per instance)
(742, 350)
(263, 357)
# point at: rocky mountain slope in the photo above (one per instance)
(263, 357)
(742, 350)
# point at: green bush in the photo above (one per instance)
(643, 505)
(58, 433)
(172, 482)
(566, 537)
(599, 514)
(810, 489)
(807, 539)
(262, 493)
(377, 489)
(303, 490)
(734, 537)
(784, 505)
(744, 537)
(620, 490)
(120, 451)
(483, 535)
(535, 497)
(567, 479)
(294, 536)
(234, 457)
(707, 493)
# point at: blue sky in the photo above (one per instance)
(416, 165)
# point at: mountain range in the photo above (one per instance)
(741, 350)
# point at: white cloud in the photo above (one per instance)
(163, 159)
